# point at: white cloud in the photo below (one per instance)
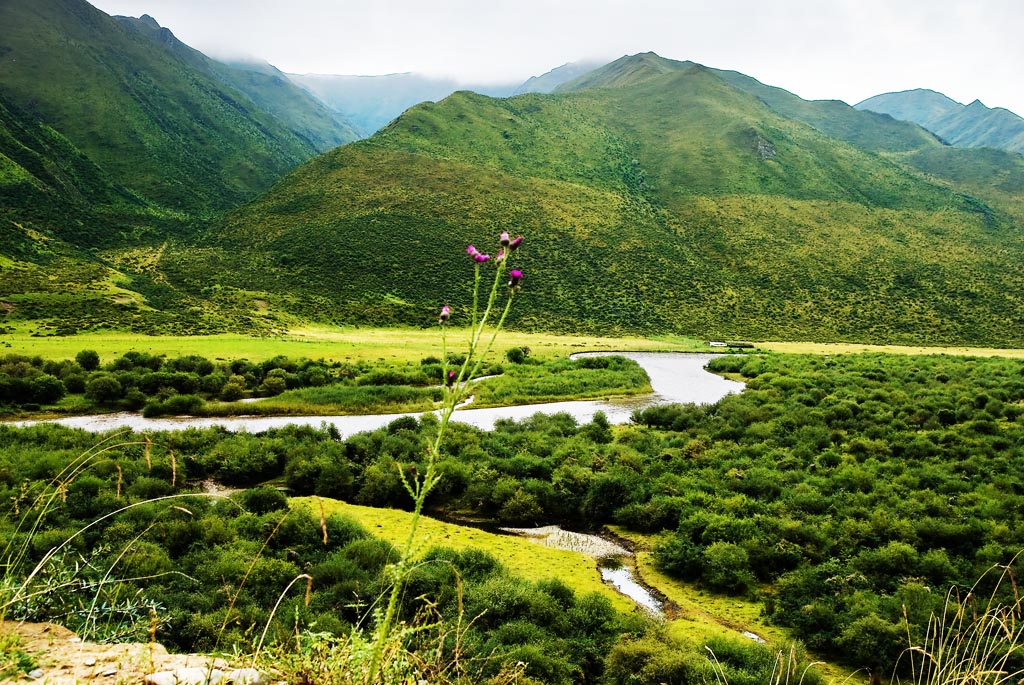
(818, 49)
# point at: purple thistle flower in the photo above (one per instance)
(500, 257)
(516, 242)
(503, 239)
(446, 313)
(450, 379)
(481, 258)
(515, 276)
(472, 251)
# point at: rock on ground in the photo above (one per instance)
(64, 659)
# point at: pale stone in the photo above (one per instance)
(185, 676)
(245, 676)
(160, 678)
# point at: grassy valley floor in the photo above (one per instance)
(408, 345)
(330, 344)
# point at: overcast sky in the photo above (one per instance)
(818, 49)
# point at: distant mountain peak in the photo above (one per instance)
(149, 21)
(625, 71)
(548, 81)
(973, 125)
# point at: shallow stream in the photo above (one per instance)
(675, 377)
(621, 577)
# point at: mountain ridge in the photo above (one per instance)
(973, 125)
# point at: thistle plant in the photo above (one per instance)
(505, 284)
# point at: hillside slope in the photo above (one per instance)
(48, 184)
(154, 123)
(653, 200)
(268, 88)
(57, 211)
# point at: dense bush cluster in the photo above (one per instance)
(848, 492)
(194, 385)
(855, 489)
(161, 385)
(843, 488)
(210, 569)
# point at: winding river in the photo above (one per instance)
(675, 377)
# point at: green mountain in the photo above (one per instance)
(973, 125)
(116, 140)
(152, 120)
(655, 196)
(265, 85)
(59, 213)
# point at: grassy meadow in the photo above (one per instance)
(407, 345)
(403, 345)
(524, 558)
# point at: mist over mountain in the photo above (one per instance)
(370, 102)
(973, 125)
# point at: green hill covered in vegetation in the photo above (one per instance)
(655, 196)
(175, 133)
(116, 138)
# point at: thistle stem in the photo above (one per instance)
(419, 489)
